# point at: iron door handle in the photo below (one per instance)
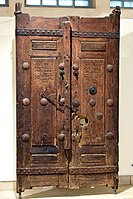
(61, 67)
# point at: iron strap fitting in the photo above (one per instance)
(59, 33)
(35, 171)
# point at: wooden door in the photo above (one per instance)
(67, 100)
(95, 50)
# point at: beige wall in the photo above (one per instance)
(102, 7)
(126, 97)
(7, 101)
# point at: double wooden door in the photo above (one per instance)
(67, 100)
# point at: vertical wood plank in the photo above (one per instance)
(23, 91)
(112, 91)
(76, 94)
(61, 87)
(67, 92)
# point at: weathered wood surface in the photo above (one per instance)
(67, 101)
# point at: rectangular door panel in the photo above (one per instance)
(93, 46)
(43, 114)
(46, 149)
(92, 102)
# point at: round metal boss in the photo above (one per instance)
(61, 137)
(44, 102)
(109, 68)
(75, 67)
(99, 115)
(76, 103)
(25, 137)
(26, 101)
(61, 66)
(25, 66)
(62, 101)
(92, 102)
(110, 102)
(110, 135)
(92, 90)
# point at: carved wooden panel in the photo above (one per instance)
(93, 46)
(93, 76)
(43, 86)
(93, 159)
(44, 45)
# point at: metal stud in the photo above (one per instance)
(110, 135)
(110, 102)
(76, 103)
(61, 66)
(61, 137)
(62, 101)
(92, 102)
(25, 66)
(92, 90)
(75, 70)
(44, 102)
(75, 67)
(109, 68)
(61, 72)
(26, 101)
(99, 115)
(25, 137)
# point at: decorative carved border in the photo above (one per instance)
(59, 33)
(111, 35)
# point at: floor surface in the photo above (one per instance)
(7, 191)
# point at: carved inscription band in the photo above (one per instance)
(59, 33)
